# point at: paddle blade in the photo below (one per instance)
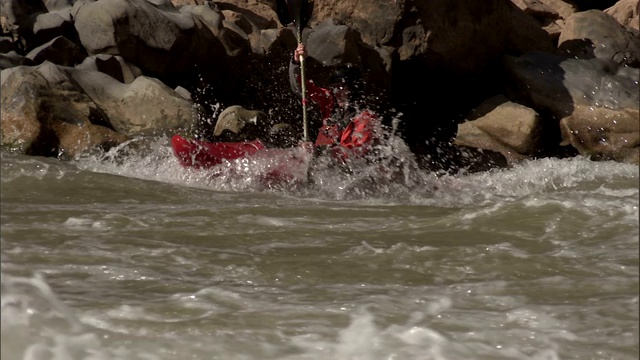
(302, 11)
(284, 13)
(297, 11)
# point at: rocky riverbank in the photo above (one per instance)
(479, 85)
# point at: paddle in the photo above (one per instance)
(297, 12)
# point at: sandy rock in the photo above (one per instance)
(43, 115)
(594, 33)
(604, 133)
(236, 123)
(626, 13)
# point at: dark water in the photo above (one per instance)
(137, 258)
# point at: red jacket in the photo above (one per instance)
(359, 132)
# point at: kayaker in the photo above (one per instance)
(344, 124)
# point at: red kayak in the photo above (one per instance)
(201, 154)
(270, 165)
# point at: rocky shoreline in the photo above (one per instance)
(473, 85)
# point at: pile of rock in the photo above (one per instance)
(515, 79)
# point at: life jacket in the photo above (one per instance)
(357, 136)
(360, 131)
(354, 141)
(323, 98)
(328, 135)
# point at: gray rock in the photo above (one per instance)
(144, 107)
(60, 50)
(332, 44)
(53, 24)
(10, 59)
(593, 33)
(502, 126)
(183, 92)
(555, 84)
(43, 114)
(56, 5)
(236, 123)
(114, 66)
(158, 39)
(212, 17)
(603, 134)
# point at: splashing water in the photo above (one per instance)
(389, 171)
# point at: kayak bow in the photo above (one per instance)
(201, 154)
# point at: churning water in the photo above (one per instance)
(130, 256)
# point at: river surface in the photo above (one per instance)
(131, 256)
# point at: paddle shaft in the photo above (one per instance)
(303, 90)
(299, 12)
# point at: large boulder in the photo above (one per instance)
(503, 126)
(556, 84)
(550, 14)
(248, 20)
(112, 65)
(603, 133)
(213, 18)
(146, 106)
(43, 114)
(59, 50)
(594, 33)
(159, 39)
(626, 13)
(50, 25)
(50, 109)
(592, 97)
(236, 123)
